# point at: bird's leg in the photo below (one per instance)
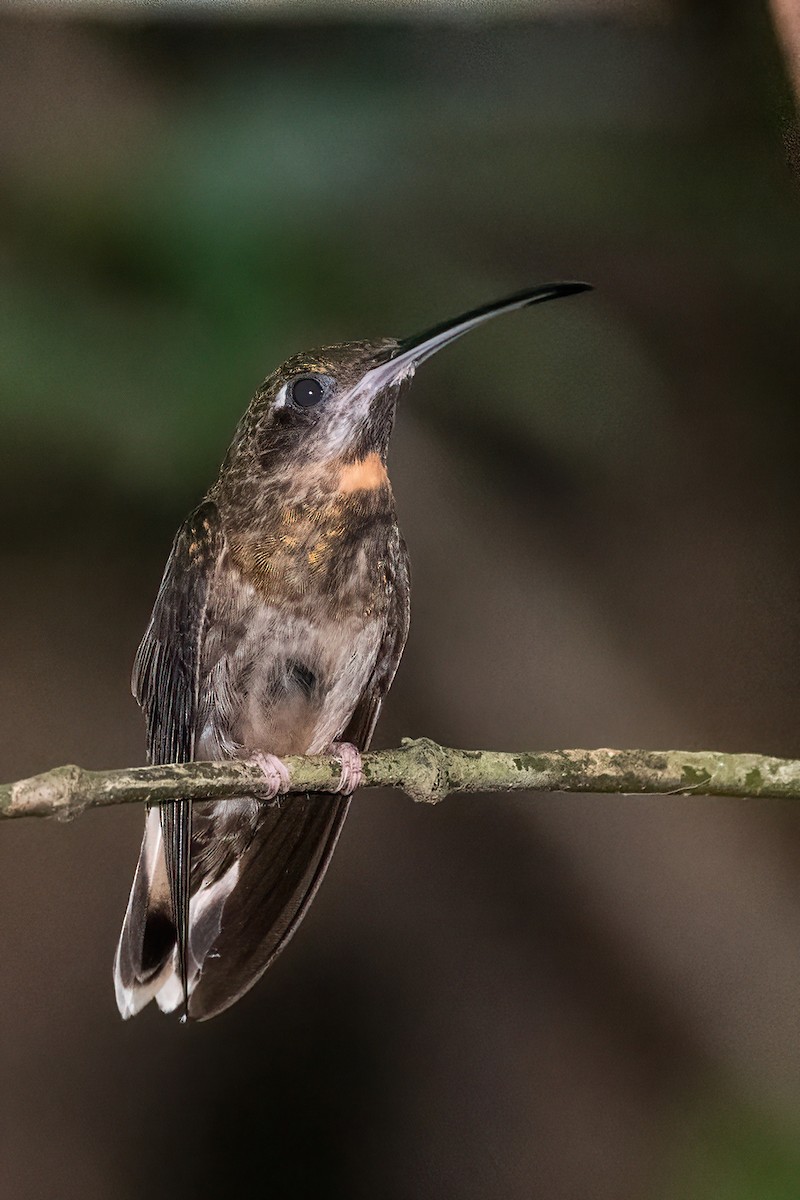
(274, 771)
(350, 759)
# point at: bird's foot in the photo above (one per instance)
(274, 771)
(350, 759)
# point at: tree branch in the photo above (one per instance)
(424, 770)
(786, 17)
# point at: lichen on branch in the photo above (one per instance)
(424, 770)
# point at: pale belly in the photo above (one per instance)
(287, 684)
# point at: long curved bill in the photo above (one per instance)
(424, 345)
(402, 361)
(412, 351)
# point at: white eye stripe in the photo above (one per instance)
(282, 398)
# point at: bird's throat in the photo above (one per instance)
(325, 538)
(364, 475)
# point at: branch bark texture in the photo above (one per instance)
(426, 771)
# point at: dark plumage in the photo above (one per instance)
(278, 627)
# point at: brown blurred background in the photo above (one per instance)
(552, 997)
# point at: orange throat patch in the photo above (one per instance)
(364, 475)
(309, 551)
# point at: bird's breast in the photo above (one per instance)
(328, 552)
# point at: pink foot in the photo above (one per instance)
(274, 771)
(350, 758)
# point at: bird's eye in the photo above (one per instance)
(306, 392)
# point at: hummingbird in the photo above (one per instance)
(278, 627)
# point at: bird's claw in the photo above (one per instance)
(352, 771)
(274, 771)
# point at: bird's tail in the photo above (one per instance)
(235, 937)
(247, 900)
(143, 963)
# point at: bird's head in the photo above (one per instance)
(337, 404)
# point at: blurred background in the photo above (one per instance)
(510, 997)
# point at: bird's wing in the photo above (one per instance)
(267, 863)
(166, 684)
